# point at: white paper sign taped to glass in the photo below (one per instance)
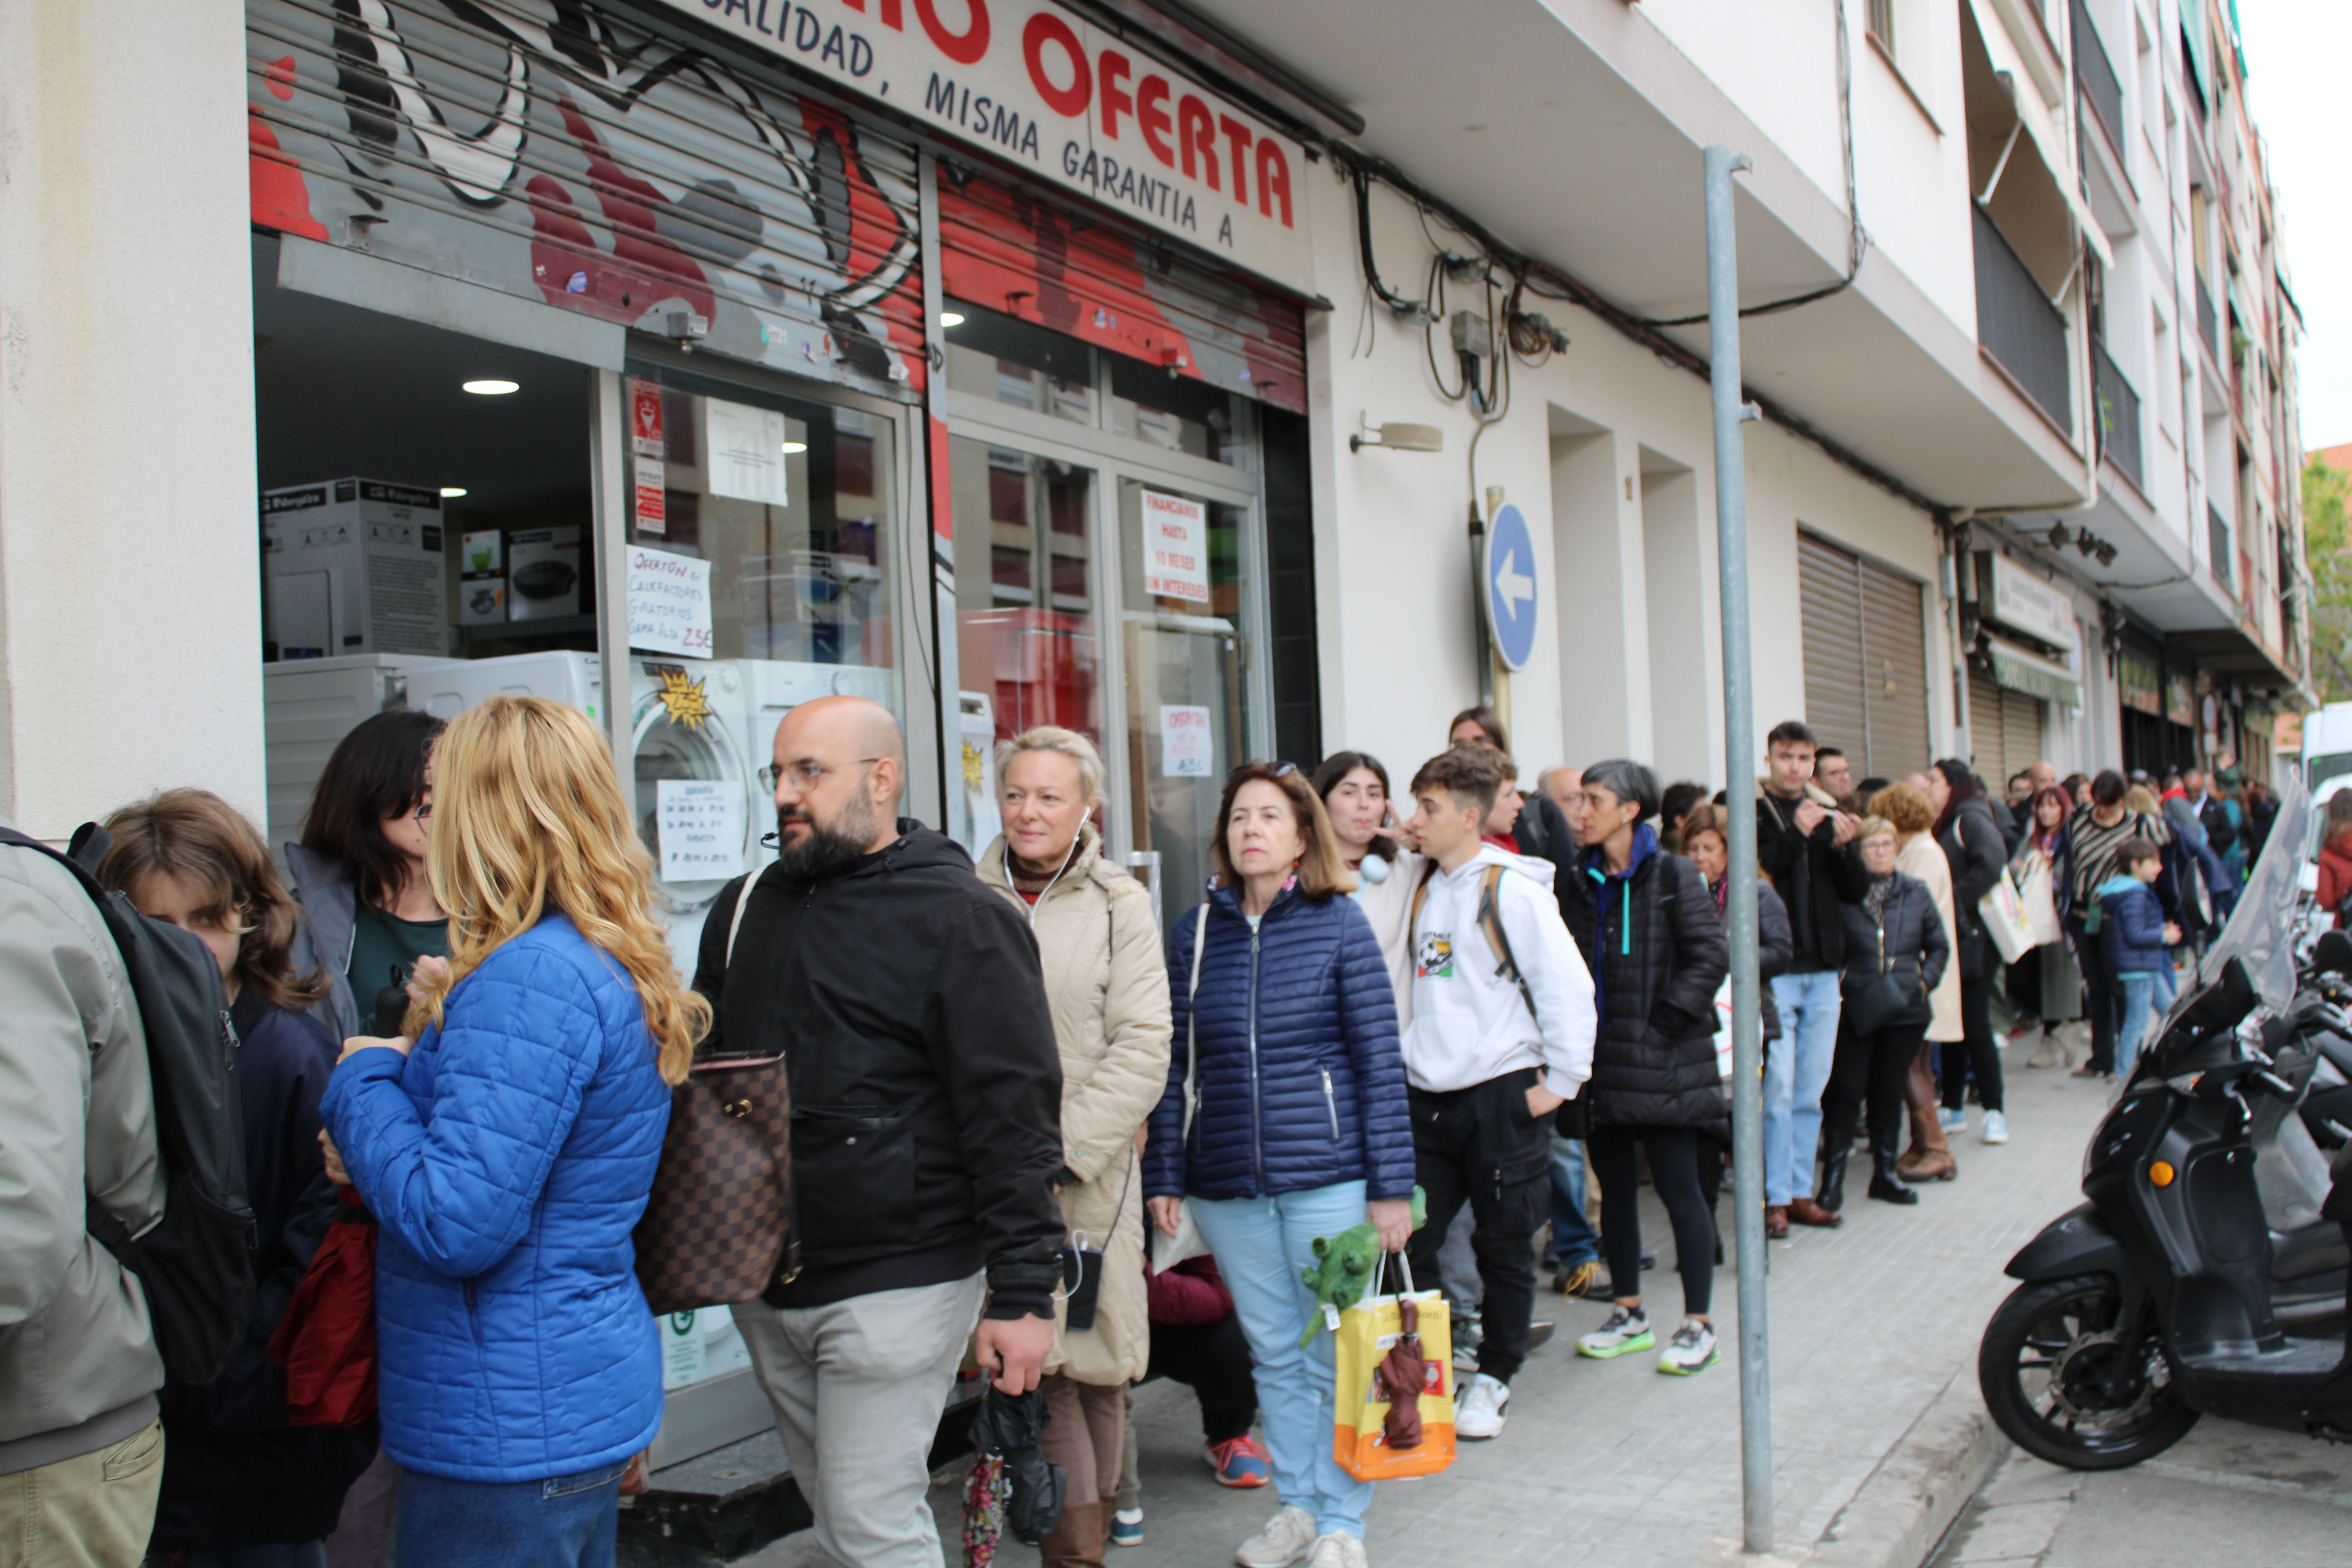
(700, 826)
(744, 452)
(682, 1351)
(652, 501)
(1188, 747)
(669, 602)
(1176, 547)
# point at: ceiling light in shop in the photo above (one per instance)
(952, 318)
(795, 446)
(451, 493)
(493, 388)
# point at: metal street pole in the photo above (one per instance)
(1740, 750)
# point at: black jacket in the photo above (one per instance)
(907, 1001)
(1542, 833)
(1813, 876)
(1907, 942)
(2220, 831)
(1774, 948)
(1656, 979)
(1976, 851)
(235, 1473)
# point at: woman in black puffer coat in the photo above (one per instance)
(1893, 931)
(1972, 843)
(1653, 940)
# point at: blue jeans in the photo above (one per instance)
(1796, 1070)
(2139, 991)
(563, 1522)
(1573, 1239)
(1261, 1244)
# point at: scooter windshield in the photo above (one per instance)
(2262, 928)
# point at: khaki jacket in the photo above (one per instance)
(1919, 858)
(1108, 982)
(76, 1116)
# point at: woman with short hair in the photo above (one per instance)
(1913, 815)
(1099, 944)
(1283, 1121)
(506, 1142)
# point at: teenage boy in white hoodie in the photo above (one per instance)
(1501, 1037)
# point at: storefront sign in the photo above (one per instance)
(700, 826)
(744, 452)
(2009, 594)
(2136, 677)
(1187, 745)
(649, 510)
(1176, 543)
(669, 602)
(646, 420)
(2180, 702)
(1053, 94)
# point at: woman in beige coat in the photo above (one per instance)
(1108, 982)
(1929, 1158)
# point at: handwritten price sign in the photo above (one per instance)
(669, 602)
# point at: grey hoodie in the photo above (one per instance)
(324, 939)
(78, 1367)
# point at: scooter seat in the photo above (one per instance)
(2317, 1247)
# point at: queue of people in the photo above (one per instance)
(461, 1022)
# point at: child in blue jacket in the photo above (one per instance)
(2137, 937)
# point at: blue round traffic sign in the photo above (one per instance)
(1511, 596)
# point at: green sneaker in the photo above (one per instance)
(1627, 1330)
(1690, 1351)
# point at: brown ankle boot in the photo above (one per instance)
(1079, 1539)
(1929, 1158)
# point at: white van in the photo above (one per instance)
(2327, 745)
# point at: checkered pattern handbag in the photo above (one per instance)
(719, 1225)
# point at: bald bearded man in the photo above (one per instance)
(906, 1000)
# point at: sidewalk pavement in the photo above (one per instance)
(1610, 1463)
(2225, 1493)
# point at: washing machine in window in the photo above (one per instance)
(446, 688)
(773, 688)
(686, 730)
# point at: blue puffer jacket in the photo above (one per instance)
(1301, 1076)
(2135, 922)
(506, 1158)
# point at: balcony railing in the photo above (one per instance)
(2119, 416)
(2208, 326)
(2017, 325)
(2216, 545)
(2096, 74)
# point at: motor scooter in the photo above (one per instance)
(2207, 1270)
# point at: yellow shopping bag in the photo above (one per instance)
(1381, 1341)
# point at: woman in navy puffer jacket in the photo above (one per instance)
(507, 1148)
(1297, 1125)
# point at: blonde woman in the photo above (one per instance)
(1108, 986)
(505, 1145)
(1912, 816)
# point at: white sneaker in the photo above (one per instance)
(1336, 1551)
(1478, 1414)
(1996, 1127)
(1287, 1537)
(1690, 1351)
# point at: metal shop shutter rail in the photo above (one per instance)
(2006, 727)
(1865, 658)
(564, 154)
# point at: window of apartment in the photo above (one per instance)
(1882, 24)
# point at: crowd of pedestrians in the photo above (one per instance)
(1031, 1131)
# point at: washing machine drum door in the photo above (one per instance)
(667, 750)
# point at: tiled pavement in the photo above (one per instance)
(1609, 1463)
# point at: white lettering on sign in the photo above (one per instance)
(700, 826)
(1188, 747)
(669, 602)
(1046, 90)
(1176, 547)
(652, 505)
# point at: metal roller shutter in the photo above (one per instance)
(1865, 658)
(1015, 251)
(2006, 727)
(2021, 731)
(559, 153)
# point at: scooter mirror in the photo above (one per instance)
(2335, 952)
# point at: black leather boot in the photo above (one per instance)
(1886, 1182)
(1831, 1193)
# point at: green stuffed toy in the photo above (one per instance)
(1344, 1265)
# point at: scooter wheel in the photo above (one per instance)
(2060, 1382)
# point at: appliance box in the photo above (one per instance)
(482, 578)
(543, 575)
(354, 566)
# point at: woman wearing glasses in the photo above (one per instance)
(1289, 1124)
(1108, 987)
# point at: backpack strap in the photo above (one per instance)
(1490, 920)
(1420, 897)
(735, 921)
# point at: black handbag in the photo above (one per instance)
(1879, 1003)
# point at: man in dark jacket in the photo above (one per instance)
(907, 1002)
(1802, 841)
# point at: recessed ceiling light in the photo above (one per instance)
(952, 318)
(493, 388)
(451, 493)
(796, 446)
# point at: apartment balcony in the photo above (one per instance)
(2118, 417)
(2209, 327)
(2216, 545)
(2096, 74)
(2017, 325)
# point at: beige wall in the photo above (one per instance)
(129, 611)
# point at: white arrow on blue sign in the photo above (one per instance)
(1511, 597)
